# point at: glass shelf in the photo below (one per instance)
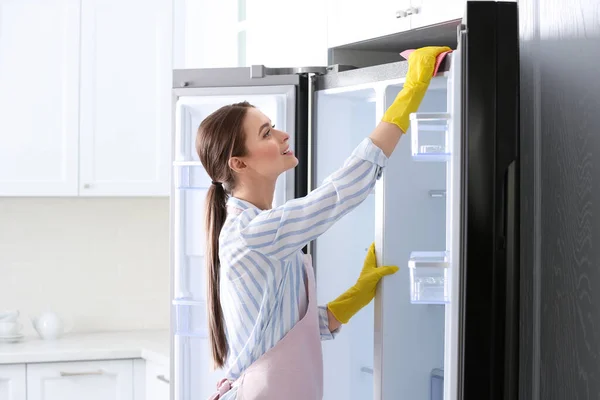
(429, 274)
(429, 136)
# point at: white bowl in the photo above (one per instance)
(9, 315)
(10, 328)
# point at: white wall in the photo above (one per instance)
(102, 263)
(283, 33)
(278, 33)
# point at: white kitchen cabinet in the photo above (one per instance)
(39, 94)
(431, 12)
(126, 64)
(157, 381)
(358, 20)
(13, 384)
(89, 380)
(85, 97)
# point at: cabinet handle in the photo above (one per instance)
(367, 370)
(87, 186)
(99, 372)
(400, 14)
(162, 378)
(412, 11)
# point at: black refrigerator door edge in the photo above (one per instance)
(302, 140)
(491, 213)
(301, 137)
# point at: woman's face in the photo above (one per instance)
(268, 150)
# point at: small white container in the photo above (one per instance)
(429, 277)
(429, 136)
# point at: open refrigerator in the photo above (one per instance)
(445, 210)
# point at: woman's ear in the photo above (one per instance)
(237, 164)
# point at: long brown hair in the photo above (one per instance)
(220, 137)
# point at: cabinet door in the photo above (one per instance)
(13, 385)
(90, 380)
(430, 12)
(39, 77)
(157, 381)
(125, 97)
(357, 20)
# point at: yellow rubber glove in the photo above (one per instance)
(421, 64)
(350, 302)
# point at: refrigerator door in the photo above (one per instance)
(478, 141)
(282, 96)
(445, 210)
(483, 359)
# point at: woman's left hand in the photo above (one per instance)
(354, 299)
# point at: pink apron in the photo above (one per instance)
(293, 368)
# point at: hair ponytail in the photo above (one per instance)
(220, 137)
(216, 212)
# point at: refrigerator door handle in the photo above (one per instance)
(511, 237)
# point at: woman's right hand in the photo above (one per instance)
(421, 65)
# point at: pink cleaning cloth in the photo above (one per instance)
(438, 60)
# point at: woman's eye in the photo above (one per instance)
(268, 133)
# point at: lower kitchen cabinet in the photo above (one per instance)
(13, 383)
(157, 381)
(89, 380)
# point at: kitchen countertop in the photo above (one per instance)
(149, 345)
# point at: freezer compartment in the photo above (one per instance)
(190, 318)
(429, 273)
(429, 139)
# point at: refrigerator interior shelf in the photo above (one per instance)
(429, 277)
(190, 318)
(429, 136)
(190, 175)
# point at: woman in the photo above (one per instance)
(265, 327)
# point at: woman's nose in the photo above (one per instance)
(283, 136)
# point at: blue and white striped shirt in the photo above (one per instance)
(263, 282)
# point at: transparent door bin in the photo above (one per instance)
(429, 277)
(190, 318)
(190, 175)
(429, 136)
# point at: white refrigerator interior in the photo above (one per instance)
(193, 376)
(396, 345)
(412, 217)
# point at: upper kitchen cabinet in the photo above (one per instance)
(358, 20)
(39, 94)
(85, 103)
(126, 64)
(431, 12)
